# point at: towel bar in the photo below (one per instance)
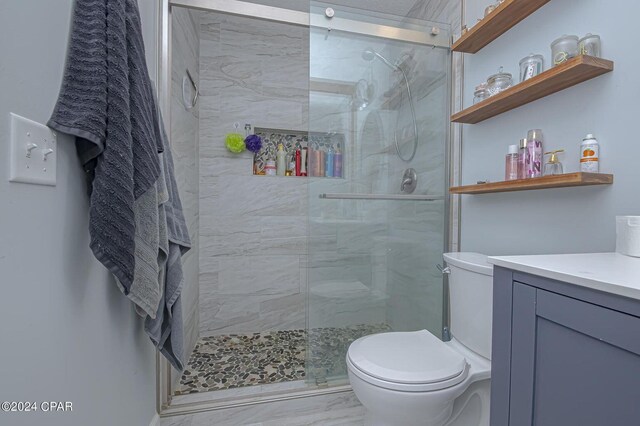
(388, 197)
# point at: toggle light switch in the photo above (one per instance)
(33, 152)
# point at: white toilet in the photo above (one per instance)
(414, 378)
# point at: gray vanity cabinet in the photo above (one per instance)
(563, 355)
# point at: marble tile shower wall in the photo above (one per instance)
(346, 245)
(449, 12)
(253, 239)
(416, 230)
(253, 233)
(185, 141)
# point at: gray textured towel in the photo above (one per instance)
(107, 102)
(166, 329)
(135, 220)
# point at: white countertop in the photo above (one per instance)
(609, 272)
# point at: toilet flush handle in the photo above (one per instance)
(445, 270)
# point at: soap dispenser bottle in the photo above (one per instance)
(553, 166)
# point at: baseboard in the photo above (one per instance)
(155, 421)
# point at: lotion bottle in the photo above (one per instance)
(511, 163)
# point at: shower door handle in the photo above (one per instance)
(388, 197)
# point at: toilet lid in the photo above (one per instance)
(406, 357)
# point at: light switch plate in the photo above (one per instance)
(33, 152)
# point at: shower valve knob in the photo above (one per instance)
(435, 31)
(329, 12)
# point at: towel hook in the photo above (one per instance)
(189, 102)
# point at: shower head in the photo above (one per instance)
(370, 55)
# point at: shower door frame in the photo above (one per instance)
(164, 388)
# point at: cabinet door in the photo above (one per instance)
(573, 363)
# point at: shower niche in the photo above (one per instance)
(314, 154)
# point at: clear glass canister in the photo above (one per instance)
(499, 82)
(564, 48)
(481, 93)
(590, 45)
(489, 9)
(530, 66)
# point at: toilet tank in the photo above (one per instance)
(471, 300)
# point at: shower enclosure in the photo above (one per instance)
(299, 267)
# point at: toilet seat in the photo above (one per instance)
(407, 361)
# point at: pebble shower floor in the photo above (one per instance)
(239, 360)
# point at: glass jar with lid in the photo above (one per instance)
(499, 82)
(590, 45)
(530, 66)
(481, 93)
(564, 48)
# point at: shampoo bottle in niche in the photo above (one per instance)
(328, 167)
(303, 162)
(337, 163)
(270, 167)
(281, 162)
(298, 161)
(534, 153)
(511, 163)
(590, 155)
(291, 165)
(310, 160)
(321, 162)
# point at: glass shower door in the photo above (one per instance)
(378, 106)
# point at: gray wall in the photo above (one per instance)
(67, 332)
(185, 144)
(556, 220)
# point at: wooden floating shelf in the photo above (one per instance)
(560, 77)
(498, 22)
(555, 181)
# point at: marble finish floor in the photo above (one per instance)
(238, 360)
